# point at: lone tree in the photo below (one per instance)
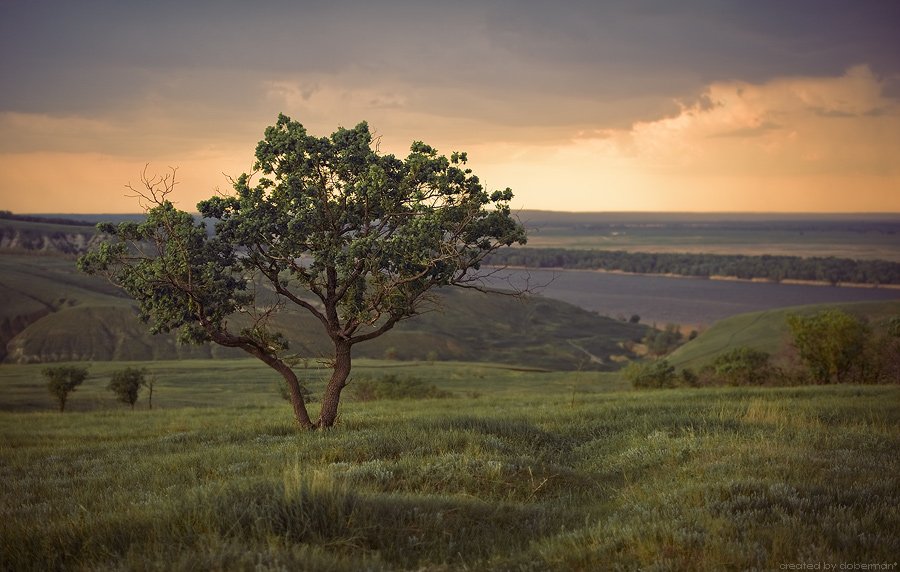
(127, 383)
(62, 380)
(356, 238)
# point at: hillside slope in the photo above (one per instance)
(50, 312)
(766, 331)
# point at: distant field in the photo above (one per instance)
(246, 381)
(842, 236)
(535, 473)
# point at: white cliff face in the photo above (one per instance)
(72, 243)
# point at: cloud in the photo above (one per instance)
(787, 143)
(794, 143)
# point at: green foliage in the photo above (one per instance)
(127, 384)
(650, 375)
(392, 386)
(689, 378)
(768, 331)
(181, 278)
(830, 343)
(62, 380)
(744, 366)
(379, 231)
(880, 362)
(355, 238)
(661, 342)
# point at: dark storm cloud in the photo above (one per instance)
(97, 56)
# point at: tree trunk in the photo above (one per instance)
(301, 416)
(339, 374)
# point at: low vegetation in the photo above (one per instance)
(829, 346)
(392, 386)
(526, 480)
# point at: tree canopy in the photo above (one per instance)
(63, 380)
(356, 238)
(127, 384)
(830, 342)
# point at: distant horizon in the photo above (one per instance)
(561, 212)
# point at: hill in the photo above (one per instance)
(766, 331)
(50, 312)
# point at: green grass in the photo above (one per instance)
(765, 331)
(538, 472)
(232, 382)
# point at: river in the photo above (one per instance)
(666, 299)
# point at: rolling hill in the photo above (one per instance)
(766, 331)
(50, 312)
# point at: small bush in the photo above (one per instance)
(689, 378)
(394, 387)
(648, 375)
(744, 366)
(661, 342)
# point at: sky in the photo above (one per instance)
(763, 105)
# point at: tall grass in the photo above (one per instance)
(527, 480)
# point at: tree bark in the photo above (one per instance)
(336, 384)
(301, 416)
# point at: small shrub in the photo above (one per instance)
(62, 380)
(689, 378)
(744, 366)
(648, 375)
(661, 342)
(394, 387)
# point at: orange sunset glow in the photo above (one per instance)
(589, 108)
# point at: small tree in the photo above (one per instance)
(355, 238)
(830, 343)
(150, 383)
(127, 383)
(62, 380)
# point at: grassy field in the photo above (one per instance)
(857, 236)
(516, 471)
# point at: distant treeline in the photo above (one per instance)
(52, 220)
(775, 268)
